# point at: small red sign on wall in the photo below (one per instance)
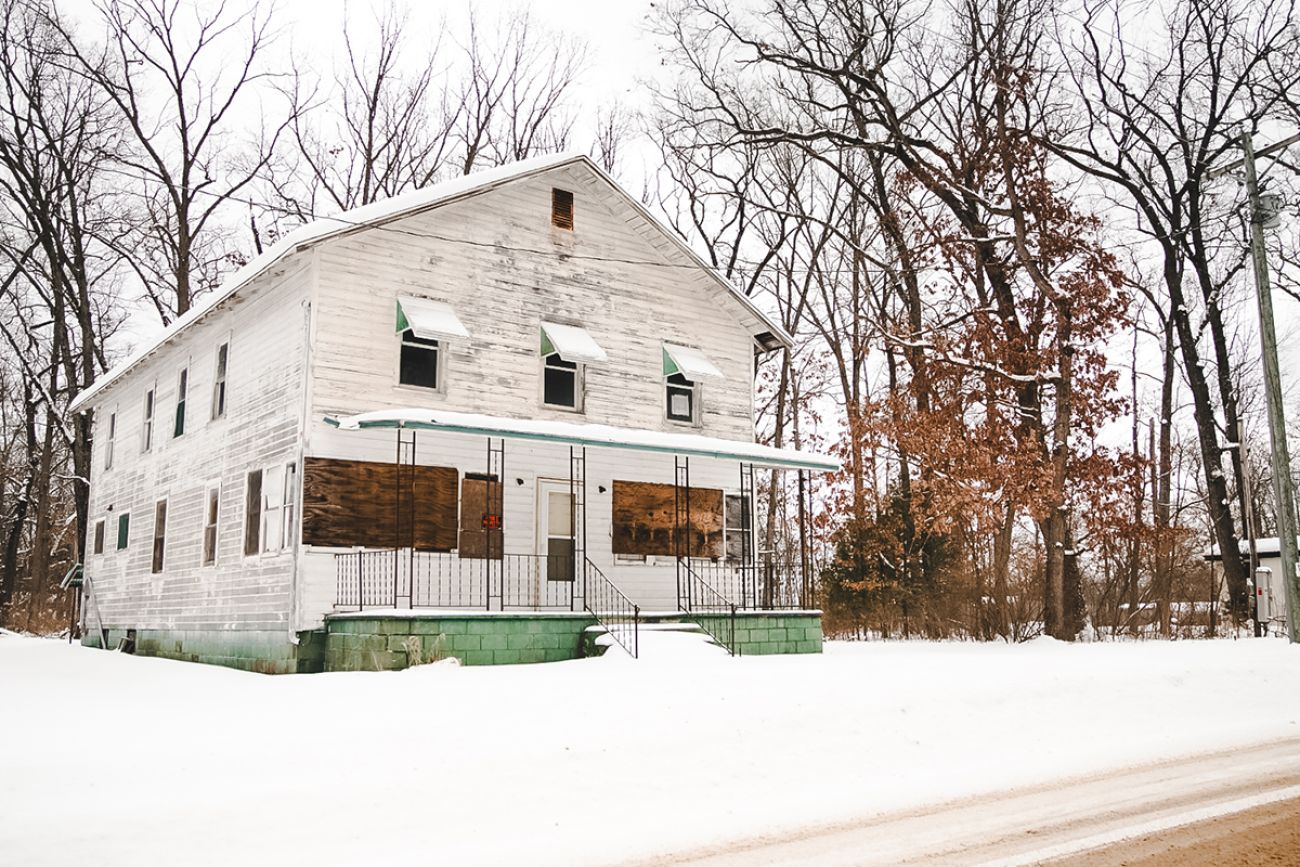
(491, 522)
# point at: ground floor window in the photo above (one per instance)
(211, 509)
(739, 528)
(99, 537)
(123, 530)
(159, 534)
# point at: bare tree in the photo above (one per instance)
(1154, 121)
(179, 77)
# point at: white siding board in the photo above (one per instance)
(261, 427)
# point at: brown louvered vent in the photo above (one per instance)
(562, 209)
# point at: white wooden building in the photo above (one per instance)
(492, 394)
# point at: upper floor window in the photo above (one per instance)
(681, 395)
(182, 393)
(684, 368)
(99, 536)
(219, 382)
(108, 441)
(146, 428)
(420, 362)
(561, 382)
(566, 352)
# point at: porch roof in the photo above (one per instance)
(597, 435)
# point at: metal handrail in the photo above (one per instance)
(766, 584)
(612, 608)
(707, 606)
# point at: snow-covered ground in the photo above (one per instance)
(116, 760)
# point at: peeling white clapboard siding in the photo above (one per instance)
(261, 427)
(503, 284)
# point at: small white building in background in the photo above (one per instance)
(1270, 587)
(516, 391)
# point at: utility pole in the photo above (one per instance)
(1282, 488)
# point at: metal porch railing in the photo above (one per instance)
(611, 608)
(712, 611)
(430, 579)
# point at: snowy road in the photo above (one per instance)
(1034, 825)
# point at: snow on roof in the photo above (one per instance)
(598, 435)
(1265, 546)
(385, 210)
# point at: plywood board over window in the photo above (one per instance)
(644, 513)
(349, 503)
(476, 518)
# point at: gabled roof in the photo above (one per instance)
(393, 208)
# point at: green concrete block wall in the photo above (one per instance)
(355, 643)
(761, 633)
(261, 651)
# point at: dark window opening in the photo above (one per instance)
(123, 530)
(99, 537)
(253, 514)
(419, 364)
(182, 392)
(560, 385)
(219, 382)
(159, 535)
(681, 398)
(210, 527)
(562, 209)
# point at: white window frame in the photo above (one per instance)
(727, 530)
(442, 350)
(278, 514)
(154, 537)
(212, 487)
(149, 415)
(181, 407)
(696, 399)
(110, 440)
(579, 385)
(220, 381)
(244, 517)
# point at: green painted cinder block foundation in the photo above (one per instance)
(395, 640)
(760, 633)
(391, 640)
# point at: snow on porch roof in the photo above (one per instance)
(598, 435)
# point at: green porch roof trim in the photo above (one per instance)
(596, 442)
(547, 346)
(402, 324)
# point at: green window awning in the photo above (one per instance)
(429, 319)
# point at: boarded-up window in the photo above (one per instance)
(644, 516)
(479, 523)
(350, 503)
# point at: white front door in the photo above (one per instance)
(554, 533)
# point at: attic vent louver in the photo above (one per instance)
(562, 209)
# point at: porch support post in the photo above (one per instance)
(804, 584)
(494, 536)
(747, 588)
(397, 511)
